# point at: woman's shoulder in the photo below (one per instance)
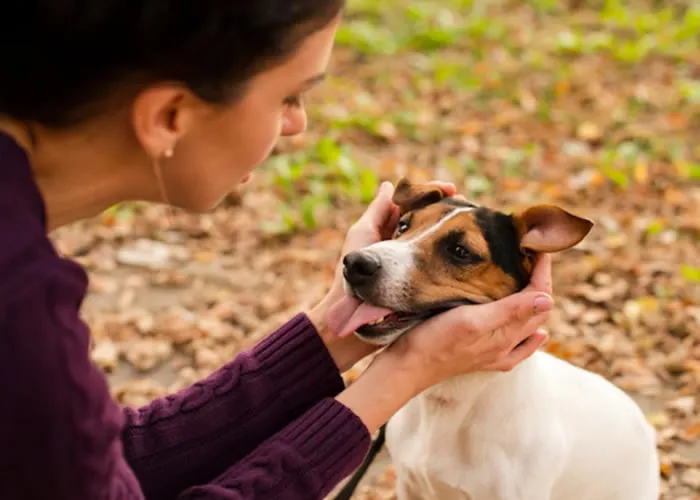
(25, 248)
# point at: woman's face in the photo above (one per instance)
(216, 148)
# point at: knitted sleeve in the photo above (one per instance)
(193, 436)
(305, 460)
(62, 436)
(59, 427)
(272, 405)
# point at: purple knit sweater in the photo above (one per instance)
(264, 426)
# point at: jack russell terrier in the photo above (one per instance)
(546, 430)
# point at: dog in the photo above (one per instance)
(545, 430)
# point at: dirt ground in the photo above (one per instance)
(172, 298)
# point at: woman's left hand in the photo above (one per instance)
(376, 224)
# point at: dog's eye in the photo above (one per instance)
(460, 252)
(401, 227)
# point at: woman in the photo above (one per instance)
(179, 102)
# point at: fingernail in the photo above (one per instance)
(383, 186)
(543, 303)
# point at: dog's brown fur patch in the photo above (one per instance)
(437, 279)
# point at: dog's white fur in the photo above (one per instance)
(546, 430)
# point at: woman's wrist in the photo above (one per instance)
(379, 392)
(317, 316)
(344, 351)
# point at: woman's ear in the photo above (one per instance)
(161, 116)
(549, 228)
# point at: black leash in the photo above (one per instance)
(377, 444)
(375, 448)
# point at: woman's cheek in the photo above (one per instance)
(268, 140)
(256, 143)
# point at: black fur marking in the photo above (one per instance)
(502, 238)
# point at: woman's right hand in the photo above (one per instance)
(487, 337)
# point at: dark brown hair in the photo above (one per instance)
(62, 60)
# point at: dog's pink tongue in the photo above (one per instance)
(349, 314)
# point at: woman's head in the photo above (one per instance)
(214, 81)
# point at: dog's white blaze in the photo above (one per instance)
(397, 261)
(432, 229)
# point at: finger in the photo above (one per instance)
(381, 208)
(524, 350)
(518, 333)
(387, 229)
(509, 311)
(541, 278)
(448, 187)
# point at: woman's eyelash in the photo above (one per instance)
(293, 101)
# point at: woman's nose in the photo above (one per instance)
(294, 121)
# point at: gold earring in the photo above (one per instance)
(168, 153)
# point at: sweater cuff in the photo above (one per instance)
(332, 440)
(307, 459)
(296, 358)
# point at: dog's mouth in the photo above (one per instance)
(373, 322)
(397, 320)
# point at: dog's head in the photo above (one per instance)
(446, 252)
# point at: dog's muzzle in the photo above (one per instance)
(363, 274)
(360, 269)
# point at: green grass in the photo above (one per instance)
(691, 273)
(311, 180)
(487, 53)
(629, 34)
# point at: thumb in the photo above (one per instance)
(514, 309)
(381, 208)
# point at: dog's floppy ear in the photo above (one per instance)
(549, 228)
(409, 196)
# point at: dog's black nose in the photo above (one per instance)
(360, 268)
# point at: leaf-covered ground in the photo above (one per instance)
(591, 105)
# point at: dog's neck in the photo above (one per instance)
(466, 390)
(463, 393)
